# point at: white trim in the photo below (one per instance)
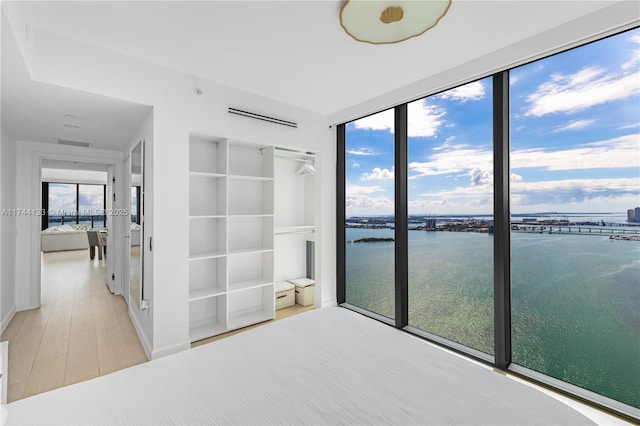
(146, 345)
(25, 307)
(7, 318)
(170, 351)
(37, 152)
(328, 303)
(575, 390)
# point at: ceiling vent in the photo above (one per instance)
(73, 143)
(262, 117)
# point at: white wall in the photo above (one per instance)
(7, 228)
(178, 111)
(74, 176)
(143, 319)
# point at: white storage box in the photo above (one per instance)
(305, 289)
(285, 295)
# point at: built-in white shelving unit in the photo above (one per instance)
(294, 213)
(231, 236)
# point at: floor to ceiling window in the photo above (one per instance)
(370, 223)
(450, 206)
(91, 205)
(73, 203)
(63, 206)
(522, 219)
(575, 165)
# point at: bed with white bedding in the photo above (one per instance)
(326, 366)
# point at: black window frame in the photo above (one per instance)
(502, 357)
(45, 203)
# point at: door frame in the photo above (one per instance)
(115, 253)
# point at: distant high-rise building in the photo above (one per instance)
(637, 214)
(631, 215)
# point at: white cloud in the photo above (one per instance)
(621, 152)
(466, 199)
(362, 151)
(635, 54)
(361, 189)
(514, 177)
(448, 143)
(481, 177)
(424, 120)
(355, 165)
(365, 204)
(575, 92)
(362, 199)
(378, 174)
(610, 193)
(453, 160)
(381, 121)
(62, 199)
(574, 125)
(469, 92)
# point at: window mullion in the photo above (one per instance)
(341, 215)
(501, 242)
(401, 218)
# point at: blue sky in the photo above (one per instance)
(575, 140)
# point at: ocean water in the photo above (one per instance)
(575, 299)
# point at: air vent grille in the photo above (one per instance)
(73, 143)
(262, 117)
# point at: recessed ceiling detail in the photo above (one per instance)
(386, 22)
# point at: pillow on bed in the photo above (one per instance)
(80, 227)
(65, 228)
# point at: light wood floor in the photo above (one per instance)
(81, 330)
(280, 314)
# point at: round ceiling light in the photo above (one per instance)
(384, 22)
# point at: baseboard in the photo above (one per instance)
(170, 351)
(146, 345)
(26, 307)
(7, 318)
(329, 302)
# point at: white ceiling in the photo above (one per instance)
(73, 165)
(40, 112)
(292, 51)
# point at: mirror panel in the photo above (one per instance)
(136, 225)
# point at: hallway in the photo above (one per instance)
(81, 331)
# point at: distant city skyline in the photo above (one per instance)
(575, 140)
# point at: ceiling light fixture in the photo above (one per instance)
(385, 22)
(73, 126)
